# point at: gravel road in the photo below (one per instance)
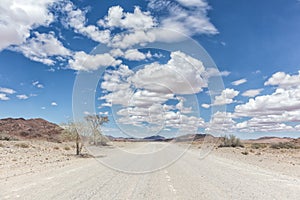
(190, 177)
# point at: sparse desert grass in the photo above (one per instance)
(245, 152)
(231, 141)
(22, 145)
(56, 148)
(284, 145)
(2, 145)
(258, 145)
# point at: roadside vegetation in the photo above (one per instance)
(258, 146)
(231, 141)
(284, 145)
(90, 131)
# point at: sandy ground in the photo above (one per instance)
(284, 161)
(225, 173)
(21, 157)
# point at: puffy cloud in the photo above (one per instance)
(226, 97)
(42, 47)
(76, 19)
(118, 83)
(7, 90)
(117, 18)
(117, 79)
(53, 103)
(134, 54)
(178, 18)
(258, 125)
(19, 17)
(284, 80)
(136, 24)
(186, 17)
(154, 116)
(125, 40)
(183, 122)
(3, 97)
(181, 75)
(280, 101)
(239, 82)
(85, 62)
(272, 112)
(221, 122)
(145, 100)
(116, 53)
(252, 93)
(22, 96)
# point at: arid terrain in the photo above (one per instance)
(267, 168)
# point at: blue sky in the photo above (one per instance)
(46, 46)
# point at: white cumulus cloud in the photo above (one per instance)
(284, 80)
(19, 17)
(86, 62)
(42, 48)
(226, 97)
(181, 75)
(76, 19)
(117, 18)
(134, 54)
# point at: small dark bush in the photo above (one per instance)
(258, 146)
(22, 145)
(67, 148)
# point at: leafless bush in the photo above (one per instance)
(231, 141)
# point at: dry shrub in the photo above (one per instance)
(56, 148)
(22, 145)
(284, 145)
(231, 141)
(67, 148)
(258, 146)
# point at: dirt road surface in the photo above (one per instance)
(189, 177)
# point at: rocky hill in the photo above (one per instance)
(21, 128)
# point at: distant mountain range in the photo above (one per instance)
(40, 129)
(155, 138)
